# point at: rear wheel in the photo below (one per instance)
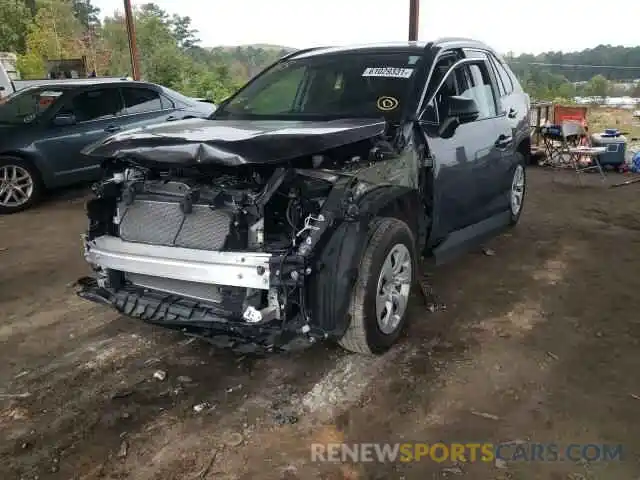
(20, 185)
(518, 189)
(380, 297)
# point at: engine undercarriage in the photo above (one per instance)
(229, 254)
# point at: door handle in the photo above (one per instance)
(112, 128)
(172, 118)
(503, 141)
(512, 113)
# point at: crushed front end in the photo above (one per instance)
(229, 254)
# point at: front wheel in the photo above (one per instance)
(20, 186)
(380, 297)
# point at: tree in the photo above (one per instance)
(114, 36)
(14, 18)
(598, 86)
(185, 35)
(56, 32)
(567, 90)
(154, 11)
(31, 5)
(86, 13)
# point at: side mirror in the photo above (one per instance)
(64, 119)
(464, 109)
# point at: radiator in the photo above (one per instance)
(197, 291)
(163, 223)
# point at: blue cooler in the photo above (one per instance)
(616, 145)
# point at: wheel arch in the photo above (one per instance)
(524, 148)
(44, 176)
(402, 203)
(337, 264)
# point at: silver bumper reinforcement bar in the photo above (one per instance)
(236, 269)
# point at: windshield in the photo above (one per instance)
(328, 86)
(27, 105)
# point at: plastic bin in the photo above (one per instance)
(616, 145)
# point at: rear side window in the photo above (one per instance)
(504, 75)
(96, 104)
(479, 88)
(167, 103)
(142, 100)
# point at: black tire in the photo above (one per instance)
(520, 163)
(38, 188)
(363, 334)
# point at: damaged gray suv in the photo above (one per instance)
(300, 209)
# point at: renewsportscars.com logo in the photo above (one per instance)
(464, 452)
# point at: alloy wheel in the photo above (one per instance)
(394, 285)
(16, 186)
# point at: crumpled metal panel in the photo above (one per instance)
(233, 142)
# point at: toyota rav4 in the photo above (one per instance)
(300, 209)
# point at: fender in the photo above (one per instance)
(336, 266)
(46, 174)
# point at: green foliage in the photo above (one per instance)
(598, 86)
(542, 81)
(602, 55)
(183, 33)
(86, 13)
(170, 54)
(55, 32)
(31, 65)
(14, 18)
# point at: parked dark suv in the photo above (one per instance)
(298, 212)
(44, 128)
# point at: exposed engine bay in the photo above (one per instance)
(248, 256)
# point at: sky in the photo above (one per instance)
(532, 27)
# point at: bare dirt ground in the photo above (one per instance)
(543, 337)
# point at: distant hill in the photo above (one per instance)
(614, 62)
(263, 46)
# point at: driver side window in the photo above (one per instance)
(470, 81)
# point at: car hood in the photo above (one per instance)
(232, 142)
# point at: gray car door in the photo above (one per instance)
(490, 172)
(462, 157)
(513, 111)
(96, 111)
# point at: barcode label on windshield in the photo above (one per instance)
(389, 72)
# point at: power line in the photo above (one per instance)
(574, 65)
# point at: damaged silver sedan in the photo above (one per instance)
(299, 211)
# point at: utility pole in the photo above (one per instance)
(133, 47)
(414, 14)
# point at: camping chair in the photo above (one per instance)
(575, 151)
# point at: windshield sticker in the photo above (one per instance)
(413, 59)
(388, 72)
(386, 104)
